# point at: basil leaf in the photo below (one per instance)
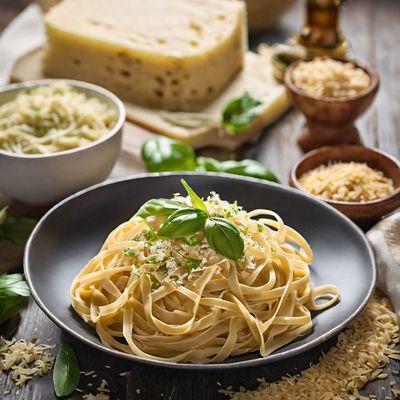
(16, 231)
(239, 113)
(163, 154)
(13, 285)
(66, 371)
(183, 223)
(224, 238)
(159, 207)
(13, 290)
(250, 168)
(197, 202)
(9, 306)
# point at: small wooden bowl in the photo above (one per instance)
(331, 121)
(363, 214)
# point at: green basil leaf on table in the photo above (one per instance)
(197, 202)
(240, 112)
(181, 223)
(10, 306)
(66, 371)
(224, 238)
(16, 231)
(13, 291)
(12, 285)
(163, 154)
(250, 168)
(159, 207)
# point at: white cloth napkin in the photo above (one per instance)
(25, 33)
(385, 240)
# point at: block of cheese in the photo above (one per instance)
(168, 54)
(204, 127)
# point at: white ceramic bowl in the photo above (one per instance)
(39, 180)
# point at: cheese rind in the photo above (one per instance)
(174, 55)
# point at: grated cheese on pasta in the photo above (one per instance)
(361, 353)
(53, 118)
(347, 181)
(328, 78)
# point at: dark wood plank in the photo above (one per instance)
(9, 9)
(374, 32)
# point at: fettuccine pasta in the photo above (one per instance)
(179, 300)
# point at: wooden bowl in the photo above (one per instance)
(331, 121)
(367, 213)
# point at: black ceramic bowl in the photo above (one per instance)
(73, 231)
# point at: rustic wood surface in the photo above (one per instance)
(373, 29)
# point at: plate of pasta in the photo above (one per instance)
(198, 270)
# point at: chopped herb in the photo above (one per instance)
(174, 277)
(163, 268)
(260, 227)
(151, 260)
(192, 240)
(155, 283)
(150, 236)
(191, 263)
(130, 252)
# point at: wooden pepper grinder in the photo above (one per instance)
(321, 34)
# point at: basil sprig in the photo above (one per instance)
(180, 158)
(239, 113)
(159, 207)
(224, 238)
(66, 371)
(250, 168)
(163, 154)
(184, 222)
(13, 230)
(13, 292)
(222, 235)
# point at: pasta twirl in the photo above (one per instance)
(179, 300)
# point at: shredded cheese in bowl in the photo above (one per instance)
(53, 118)
(328, 78)
(347, 181)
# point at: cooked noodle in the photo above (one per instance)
(143, 300)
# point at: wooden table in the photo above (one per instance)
(374, 32)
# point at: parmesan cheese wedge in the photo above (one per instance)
(203, 128)
(175, 55)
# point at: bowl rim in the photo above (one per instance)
(371, 71)
(90, 87)
(212, 367)
(296, 183)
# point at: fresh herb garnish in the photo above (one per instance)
(161, 207)
(224, 238)
(184, 222)
(239, 113)
(14, 230)
(222, 235)
(197, 202)
(246, 167)
(130, 252)
(191, 263)
(163, 154)
(260, 227)
(13, 291)
(192, 240)
(66, 371)
(150, 236)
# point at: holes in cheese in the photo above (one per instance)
(174, 55)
